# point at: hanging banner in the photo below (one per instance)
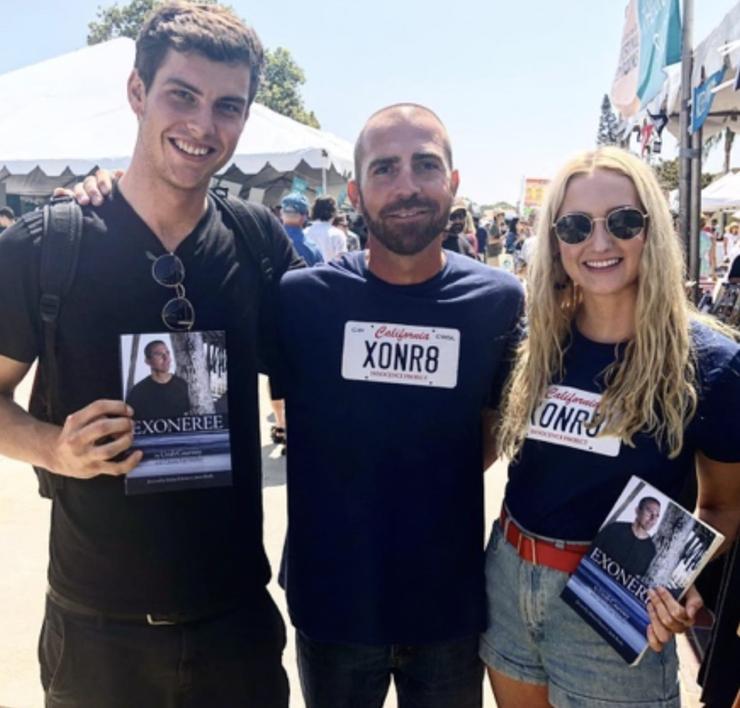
(534, 192)
(651, 40)
(702, 99)
(660, 44)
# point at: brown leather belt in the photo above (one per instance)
(560, 555)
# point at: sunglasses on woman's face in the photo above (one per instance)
(178, 313)
(623, 223)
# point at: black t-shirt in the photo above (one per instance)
(151, 399)
(171, 552)
(618, 541)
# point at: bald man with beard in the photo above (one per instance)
(384, 557)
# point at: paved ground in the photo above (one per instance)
(23, 556)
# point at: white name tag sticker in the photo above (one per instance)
(383, 352)
(563, 417)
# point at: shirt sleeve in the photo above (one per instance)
(284, 258)
(514, 335)
(20, 326)
(716, 424)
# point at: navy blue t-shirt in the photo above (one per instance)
(385, 486)
(566, 479)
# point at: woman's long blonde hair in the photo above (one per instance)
(652, 388)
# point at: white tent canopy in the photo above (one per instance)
(72, 111)
(720, 195)
(723, 193)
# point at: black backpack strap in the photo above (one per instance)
(250, 230)
(58, 226)
(60, 250)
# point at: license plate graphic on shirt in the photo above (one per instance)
(563, 418)
(384, 352)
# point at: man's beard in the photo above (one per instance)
(411, 238)
(456, 227)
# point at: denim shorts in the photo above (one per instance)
(533, 636)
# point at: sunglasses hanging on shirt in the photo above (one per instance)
(178, 313)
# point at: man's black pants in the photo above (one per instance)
(221, 662)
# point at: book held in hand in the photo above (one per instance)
(176, 383)
(647, 540)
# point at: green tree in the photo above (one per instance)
(116, 21)
(280, 89)
(281, 84)
(727, 138)
(608, 124)
(498, 206)
(667, 171)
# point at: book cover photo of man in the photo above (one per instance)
(629, 543)
(161, 394)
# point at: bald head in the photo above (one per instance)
(397, 115)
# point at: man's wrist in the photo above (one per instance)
(47, 439)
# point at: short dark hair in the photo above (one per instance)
(324, 208)
(647, 500)
(7, 212)
(360, 142)
(148, 348)
(211, 30)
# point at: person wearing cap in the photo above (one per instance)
(294, 212)
(454, 239)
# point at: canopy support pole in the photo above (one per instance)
(684, 162)
(695, 211)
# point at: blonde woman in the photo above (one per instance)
(618, 376)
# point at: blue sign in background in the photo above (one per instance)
(299, 185)
(702, 99)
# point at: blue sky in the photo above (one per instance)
(519, 84)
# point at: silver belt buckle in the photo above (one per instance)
(158, 622)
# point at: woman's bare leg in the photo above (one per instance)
(510, 693)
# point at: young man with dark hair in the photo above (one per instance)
(157, 599)
(384, 557)
(331, 241)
